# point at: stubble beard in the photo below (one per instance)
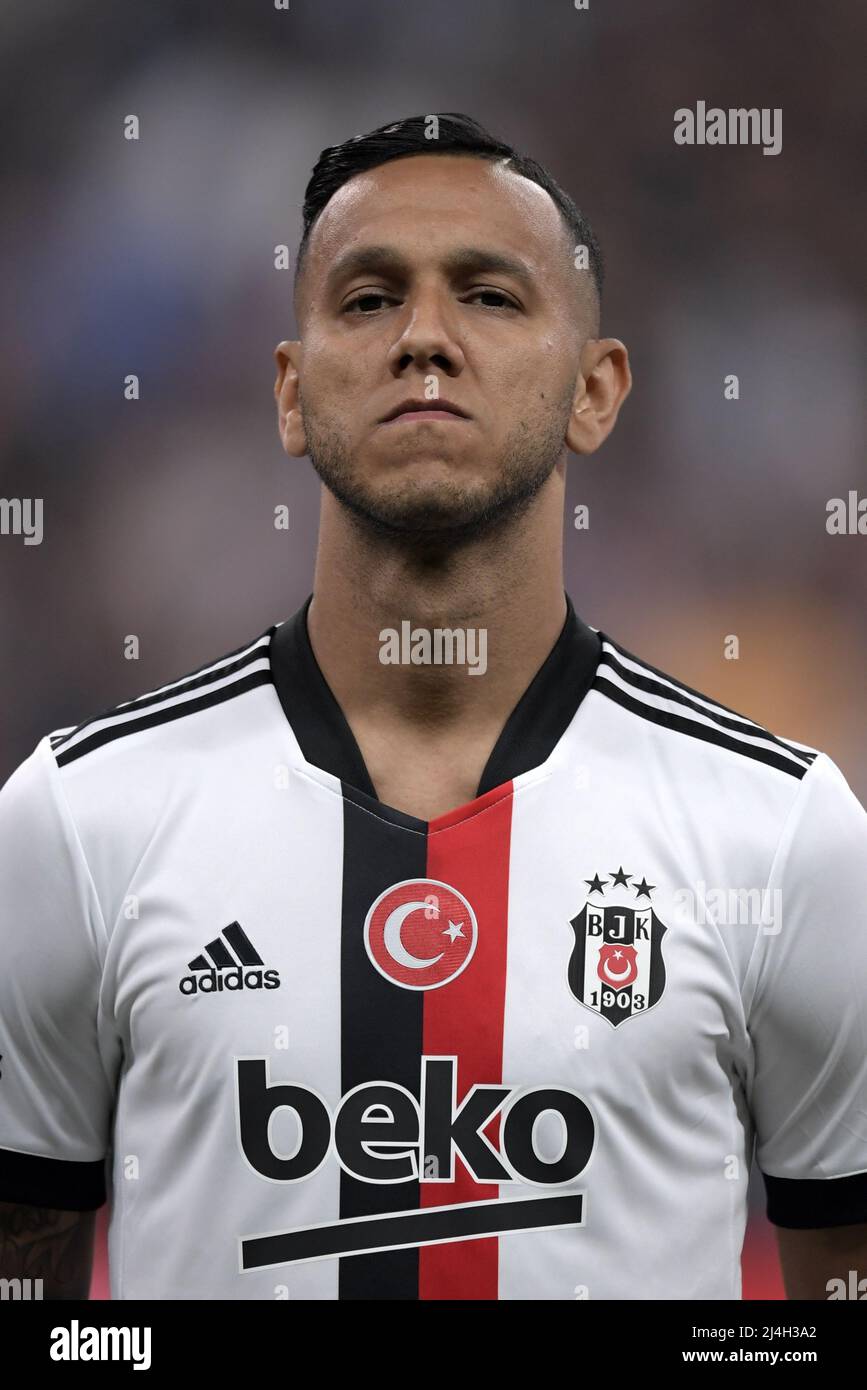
(440, 517)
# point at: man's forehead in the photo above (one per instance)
(445, 192)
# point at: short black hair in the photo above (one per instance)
(455, 133)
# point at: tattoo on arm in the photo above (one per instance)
(54, 1246)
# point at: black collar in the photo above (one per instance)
(529, 735)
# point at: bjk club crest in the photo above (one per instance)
(616, 967)
(420, 933)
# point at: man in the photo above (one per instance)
(388, 956)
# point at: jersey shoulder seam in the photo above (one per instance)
(800, 794)
(74, 842)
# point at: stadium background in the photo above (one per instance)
(156, 257)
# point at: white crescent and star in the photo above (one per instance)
(394, 944)
(616, 974)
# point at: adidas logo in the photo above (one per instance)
(230, 961)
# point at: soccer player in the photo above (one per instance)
(392, 955)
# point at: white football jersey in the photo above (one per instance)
(312, 1047)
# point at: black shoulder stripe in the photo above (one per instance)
(165, 715)
(59, 1183)
(804, 1204)
(702, 731)
(194, 681)
(727, 721)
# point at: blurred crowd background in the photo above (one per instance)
(156, 257)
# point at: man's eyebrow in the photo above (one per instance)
(475, 260)
(463, 260)
(361, 259)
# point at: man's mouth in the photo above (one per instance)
(414, 412)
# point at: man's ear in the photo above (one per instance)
(604, 382)
(290, 425)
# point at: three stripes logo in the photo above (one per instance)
(229, 962)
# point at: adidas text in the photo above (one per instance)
(212, 981)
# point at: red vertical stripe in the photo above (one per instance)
(469, 850)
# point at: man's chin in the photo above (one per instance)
(434, 503)
(419, 517)
(431, 520)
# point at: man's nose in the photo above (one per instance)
(429, 336)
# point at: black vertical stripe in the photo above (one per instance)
(242, 945)
(381, 1025)
(220, 954)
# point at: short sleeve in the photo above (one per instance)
(808, 1016)
(55, 1096)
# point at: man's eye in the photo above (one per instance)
(366, 303)
(501, 300)
(372, 300)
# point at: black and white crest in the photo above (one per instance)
(616, 966)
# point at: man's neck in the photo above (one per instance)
(504, 592)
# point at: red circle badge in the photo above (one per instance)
(420, 933)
